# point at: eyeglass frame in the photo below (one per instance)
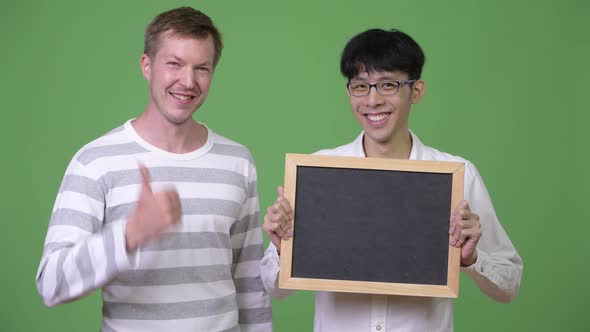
(400, 83)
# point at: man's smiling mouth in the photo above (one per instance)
(377, 117)
(182, 97)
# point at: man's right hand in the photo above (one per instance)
(155, 212)
(277, 220)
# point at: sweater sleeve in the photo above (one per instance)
(498, 269)
(254, 307)
(269, 269)
(81, 253)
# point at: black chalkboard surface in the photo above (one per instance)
(371, 225)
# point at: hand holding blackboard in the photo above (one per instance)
(277, 220)
(465, 231)
(370, 225)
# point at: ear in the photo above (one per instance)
(418, 90)
(146, 68)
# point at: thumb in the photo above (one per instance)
(145, 178)
(281, 191)
(467, 205)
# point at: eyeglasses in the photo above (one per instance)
(384, 88)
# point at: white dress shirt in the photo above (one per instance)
(497, 271)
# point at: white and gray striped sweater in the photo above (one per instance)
(202, 275)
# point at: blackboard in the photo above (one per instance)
(371, 225)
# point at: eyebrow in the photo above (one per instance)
(377, 78)
(202, 64)
(172, 58)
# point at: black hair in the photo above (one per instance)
(380, 50)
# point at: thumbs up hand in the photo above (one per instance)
(154, 213)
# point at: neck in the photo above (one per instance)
(184, 137)
(398, 147)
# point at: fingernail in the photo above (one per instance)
(452, 230)
(289, 233)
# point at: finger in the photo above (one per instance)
(163, 206)
(270, 219)
(175, 205)
(279, 218)
(285, 223)
(282, 225)
(461, 220)
(146, 179)
(452, 226)
(281, 191)
(278, 209)
(457, 240)
(470, 215)
(284, 202)
(272, 228)
(285, 209)
(469, 232)
(171, 199)
(459, 207)
(457, 226)
(466, 206)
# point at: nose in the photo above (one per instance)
(188, 78)
(374, 99)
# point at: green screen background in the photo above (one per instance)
(506, 88)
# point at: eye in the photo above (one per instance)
(388, 86)
(173, 64)
(203, 70)
(359, 86)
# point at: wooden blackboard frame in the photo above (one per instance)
(286, 279)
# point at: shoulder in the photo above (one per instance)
(91, 160)
(337, 151)
(114, 143)
(430, 153)
(352, 149)
(226, 147)
(435, 154)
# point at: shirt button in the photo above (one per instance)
(481, 269)
(378, 327)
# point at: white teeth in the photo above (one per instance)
(377, 117)
(181, 97)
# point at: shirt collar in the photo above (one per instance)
(415, 154)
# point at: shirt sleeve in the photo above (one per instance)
(498, 269)
(254, 306)
(81, 253)
(269, 270)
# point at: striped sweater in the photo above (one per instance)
(201, 275)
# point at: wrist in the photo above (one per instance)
(470, 260)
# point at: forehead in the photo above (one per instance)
(380, 76)
(186, 47)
